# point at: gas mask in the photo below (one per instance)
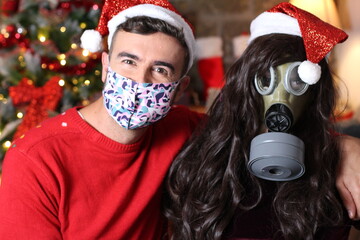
(277, 155)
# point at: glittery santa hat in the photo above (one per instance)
(319, 37)
(115, 12)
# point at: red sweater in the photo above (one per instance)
(65, 180)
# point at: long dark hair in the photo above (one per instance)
(209, 181)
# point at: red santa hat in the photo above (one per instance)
(319, 37)
(115, 12)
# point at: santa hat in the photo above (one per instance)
(210, 65)
(115, 12)
(319, 37)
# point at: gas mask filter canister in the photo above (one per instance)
(277, 156)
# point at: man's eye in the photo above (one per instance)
(128, 61)
(161, 70)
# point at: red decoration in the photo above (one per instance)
(39, 101)
(9, 7)
(211, 71)
(13, 38)
(79, 69)
(66, 5)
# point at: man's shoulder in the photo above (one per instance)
(47, 130)
(183, 111)
(182, 117)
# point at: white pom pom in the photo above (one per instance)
(91, 40)
(309, 72)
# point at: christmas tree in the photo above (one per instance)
(43, 69)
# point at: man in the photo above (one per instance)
(96, 172)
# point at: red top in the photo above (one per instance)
(65, 180)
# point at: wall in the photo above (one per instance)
(224, 18)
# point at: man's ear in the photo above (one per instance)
(181, 88)
(105, 64)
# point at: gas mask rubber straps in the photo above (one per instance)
(277, 155)
(135, 105)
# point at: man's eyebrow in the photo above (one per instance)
(129, 55)
(157, 63)
(166, 64)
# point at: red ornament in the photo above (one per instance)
(39, 101)
(13, 38)
(9, 7)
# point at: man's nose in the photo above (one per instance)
(142, 75)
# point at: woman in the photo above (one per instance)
(213, 195)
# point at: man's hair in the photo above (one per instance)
(148, 25)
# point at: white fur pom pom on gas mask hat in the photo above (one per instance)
(319, 37)
(115, 12)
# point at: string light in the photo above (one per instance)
(41, 38)
(63, 29)
(82, 25)
(85, 102)
(19, 115)
(3, 31)
(85, 53)
(6, 145)
(87, 82)
(62, 59)
(61, 56)
(61, 82)
(20, 30)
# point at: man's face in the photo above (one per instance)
(153, 58)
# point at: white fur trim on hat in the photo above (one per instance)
(91, 40)
(309, 72)
(208, 47)
(269, 22)
(158, 12)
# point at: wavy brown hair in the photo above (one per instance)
(208, 181)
